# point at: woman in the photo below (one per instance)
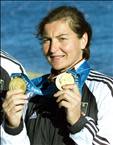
(68, 115)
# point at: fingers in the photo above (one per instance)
(64, 104)
(70, 99)
(14, 101)
(69, 94)
(14, 92)
(13, 106)
(62, 96)
(72, 87)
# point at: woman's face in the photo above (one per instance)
(61, 45)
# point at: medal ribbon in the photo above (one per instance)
(43, 87)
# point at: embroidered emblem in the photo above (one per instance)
(84, 106)
(33, 116)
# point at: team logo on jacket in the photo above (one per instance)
(84, 106)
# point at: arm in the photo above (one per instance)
(13, 128)
(12, 138)
(83, 129)
(90, 132)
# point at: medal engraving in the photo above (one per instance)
(17, 83)
(64, 79)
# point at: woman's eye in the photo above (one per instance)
(62, 38)
(45, 40)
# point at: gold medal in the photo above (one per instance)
(64, 79)
(17, 83)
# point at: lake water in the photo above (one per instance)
(19, 19)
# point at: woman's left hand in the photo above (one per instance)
(70, 99)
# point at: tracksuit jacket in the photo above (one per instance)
(8, 65)
(45, 124)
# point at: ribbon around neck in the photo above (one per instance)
(42, 87)
(80, 74)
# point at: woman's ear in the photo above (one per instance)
(84, 40)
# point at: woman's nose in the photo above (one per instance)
(54, 46)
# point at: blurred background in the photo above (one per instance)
(18, 27)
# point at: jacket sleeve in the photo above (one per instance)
(102, 132)
(14, 139)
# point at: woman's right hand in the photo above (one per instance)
(13, 107)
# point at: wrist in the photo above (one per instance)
(13, 130)
(78, 125)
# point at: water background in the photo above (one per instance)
(19, 20)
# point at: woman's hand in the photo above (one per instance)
(70, 98)
(13, 107)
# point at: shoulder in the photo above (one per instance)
(100, 77)
(100, 81)
(10, 64)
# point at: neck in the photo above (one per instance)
(54, 72)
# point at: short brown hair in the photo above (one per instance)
(76, 21)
